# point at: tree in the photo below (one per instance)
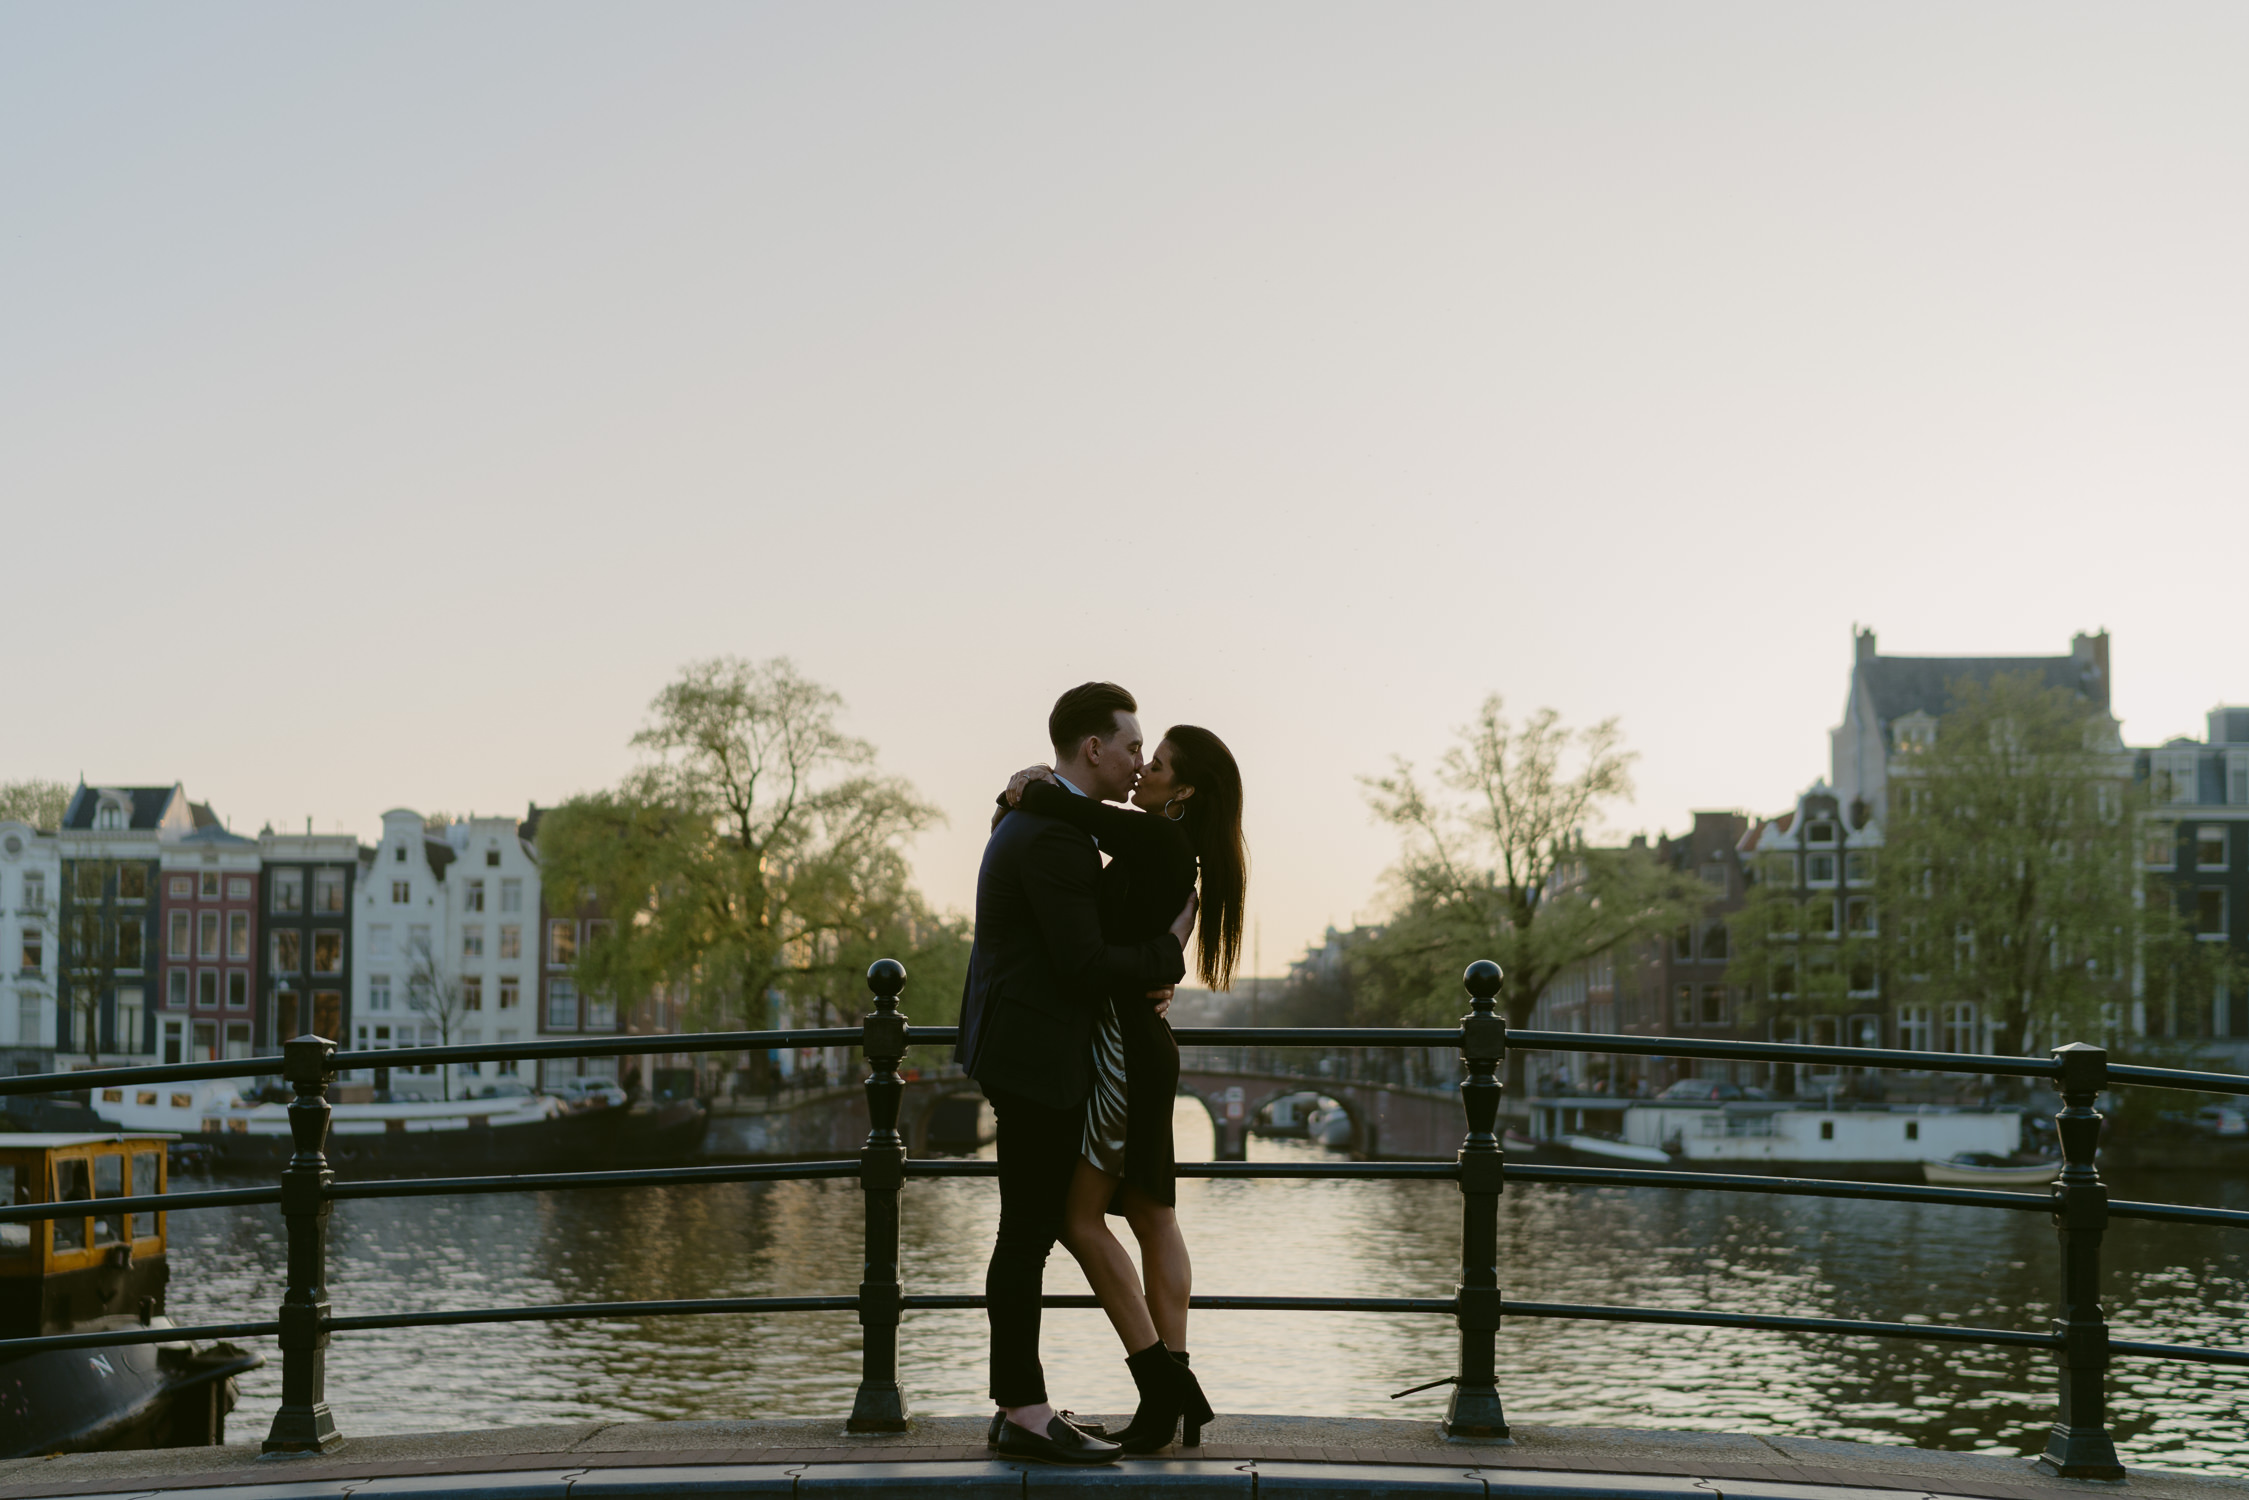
(2011, 871)
(432, 993)
(100, 942)
(756, 852)
(1496, 866)
(39, 803)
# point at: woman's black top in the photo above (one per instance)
(1151, 867)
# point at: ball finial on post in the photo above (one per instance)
(886, 977)
(1483, 980)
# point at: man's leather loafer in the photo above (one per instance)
(1090, 1429)
(1060, 1444)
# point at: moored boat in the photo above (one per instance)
(496, 1133)
(90, 1272)
(1600, 1151)
(1984, 1169)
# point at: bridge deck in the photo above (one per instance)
(1303, 1457)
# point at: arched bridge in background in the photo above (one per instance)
(1403, 1104)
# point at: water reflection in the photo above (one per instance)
(1818, 1257)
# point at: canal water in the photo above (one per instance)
(1648, 1247)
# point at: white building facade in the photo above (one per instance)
(446, 940)
(30, 885)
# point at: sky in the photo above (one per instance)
(393, 397)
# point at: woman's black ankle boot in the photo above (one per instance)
(1192, 1437)
(1168, 1392)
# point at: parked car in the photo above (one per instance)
(588, 1093)
(2225, 1120)
(1704, 1090)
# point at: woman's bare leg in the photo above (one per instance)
(1163, 1261)
(1108, 1269)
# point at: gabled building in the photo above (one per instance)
(446, 927)
(2198, 843)
(207, 910)
(1895, 701)
(112, 842)
(305, 960)
(30, 946)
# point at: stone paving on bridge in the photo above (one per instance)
(1302, 1457)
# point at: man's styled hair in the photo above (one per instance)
(1090, 708)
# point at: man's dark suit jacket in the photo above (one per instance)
(1040, 969)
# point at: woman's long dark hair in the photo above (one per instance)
(1213, 820)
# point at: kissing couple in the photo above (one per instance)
(1062, 1025)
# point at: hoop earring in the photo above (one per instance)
(1176, 817)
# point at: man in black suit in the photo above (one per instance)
(1037, 978)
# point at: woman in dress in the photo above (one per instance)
(1190, 822)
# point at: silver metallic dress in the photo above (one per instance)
(1105, 1116)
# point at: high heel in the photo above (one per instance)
(1192, 1436)
(1168, 1393)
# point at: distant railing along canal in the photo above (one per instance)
(2079, 1445)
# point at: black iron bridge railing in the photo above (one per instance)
(2079, 1445)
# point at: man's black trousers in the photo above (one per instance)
(1039, 1148)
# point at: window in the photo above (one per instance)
(89, 882)
(129, 943)
(1683, 944)
(1858, 916)
(129, 1028)
(398, 855)
(472, 993)
(1714, 942)
(183, 886)
(34, 893)
(506, 1037)
(492, 859)
(562, 1005)
(511, 895)
(207, 989)
(601, 1015)
(182, 939)
(417, 942)
(1784, 979)
(132, 882)
(378, 992)
(210, 886)
(327, 953)
(1713, 1011)
(1683, 1005)
(2237, 781)
(562, 942)
(237, 1040)
(1819, 918)
(511, 993)
(328, 891)
(238, 888)
(288, 891)
(1858, 868)
(472, 895)
(1822, 832)
(2162, 845)
(2210, 847)
(511, 941)
(34, 953)
(472, 940)
(2210, 913)
(237, 989)
(1960, 1027)
(175, 994)
(378, 940)
(1819, 869)
(237, 934)
(1913, 1130)
(287, 955)
(207, 934)
(328, 1012)
(1713, 874)
(1785, 918)
(401, 892)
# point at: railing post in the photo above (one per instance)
(880, 1405)
(1474, 1413)
(2079, 1446)
(304, 1424)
